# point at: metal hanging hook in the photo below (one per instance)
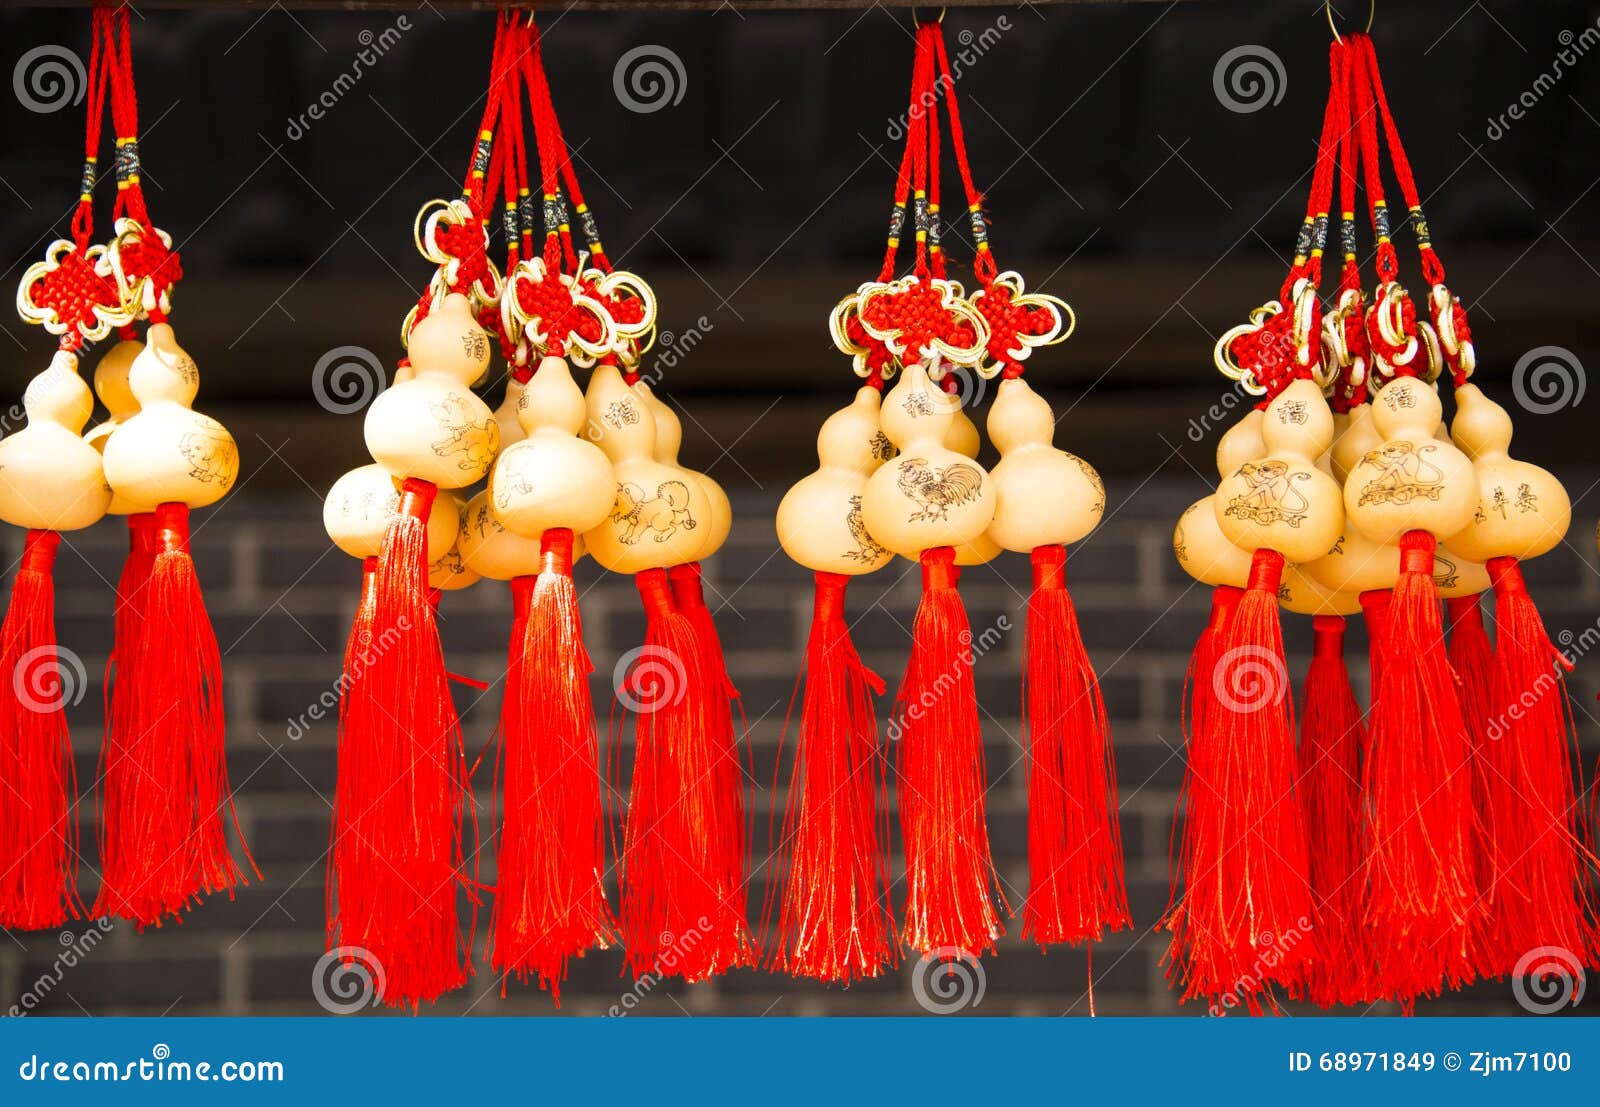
(917, 22)
(1372, 11)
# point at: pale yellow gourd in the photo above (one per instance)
(362, 503)
(508, 416)
(448, 572)
(669, 440)
(552, 478)
(819, 519)
(1411, 480)
(1454, 575)
(1043, 496)
(1283, 501)
(656, 514)
(50, 478)
(1359, 437)
(167, 452)
(1355, 564)
(1522, 510)
(432, 426)
(1300, 594)
(490, 550)
(1197, 541)
(111, 385)
(962, 437)
(929, 495)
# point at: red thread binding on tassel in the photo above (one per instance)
(167, 791)
(949, 911)
(1243, 921)
(1331, 738)
(550, 901)
(38, 835)
(680, 916)
(835, 922)
(397, 847)
(1417, 787)
(1539, 857)
(1075, 890)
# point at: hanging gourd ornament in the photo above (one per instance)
(362, 503)
(50, 478)
(656, 513)
(929, 495)
(1413, 480)
(432, 426)
(820, 523)
(1522, 511)
(669, 439)
(552, 478)
(1044, 496)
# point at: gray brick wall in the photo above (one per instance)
(282, 600)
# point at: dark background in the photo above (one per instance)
(1115, 177)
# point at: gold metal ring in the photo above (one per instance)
(1372, 11)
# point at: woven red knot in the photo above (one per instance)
(148, 258)
(918, 316)
(464, 242)
(551, 301)
(72, 290)
(1267, 352)
(878, 356)
(1009, 321)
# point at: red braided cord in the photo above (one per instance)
(921, 109)
(983, 263)
(1387, 264)
(125, 115)
(99, 65)
(936, 258)
(544, 114)
(1349, 160)
(1432, 267)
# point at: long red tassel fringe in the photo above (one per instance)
(1417, 787)
(38, 835)
(397, 856)
(550, 901)
(1472, 660)
(1076, 889)
(1539, 857)
(1331, 738)
(1242, 924)
(167, 801)
(835, 922)
(680, 915)
(949, 909)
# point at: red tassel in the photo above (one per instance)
(397, 855)
(718, 695)
(1331, 739)
(167, 800)
(949, 911)
(1472, 660)
(1538, 861)
(550, 901)
(1417, 785)
(1242, 923)
(1076, 891)
(682, 915)
(38, 836)
(835, 922)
